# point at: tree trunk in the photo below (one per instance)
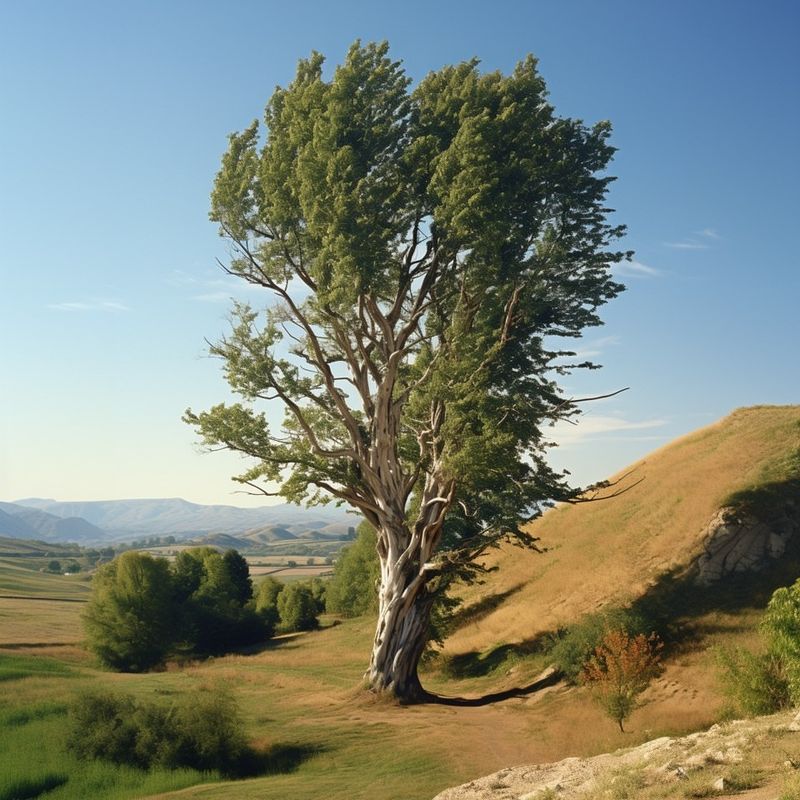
(400, 639)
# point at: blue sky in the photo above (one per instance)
(114, 118)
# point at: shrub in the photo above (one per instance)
(203, 731)
(573, 648)
(130, 614)
(297, 608)
(780, 626)
(142, 609)
(755, 683)
(265, 601)
(620, 670)
(102, 726)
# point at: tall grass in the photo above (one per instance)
(34, 762)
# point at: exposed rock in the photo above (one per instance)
(740, 543)
(661, 760)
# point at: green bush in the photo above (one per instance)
(780, 627)
(266, 595)
(129, 619)
(754, 683)
(297, 608)
(764, 682)
(352, 591)
(203, 731)
(573, 648)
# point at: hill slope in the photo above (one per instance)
(612, 550)
(174, 515)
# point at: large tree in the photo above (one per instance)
(424, 251)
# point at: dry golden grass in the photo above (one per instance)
(610, 551)
(304, 690)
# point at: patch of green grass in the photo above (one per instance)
(22, 716)
(14, 667)
(21, 576)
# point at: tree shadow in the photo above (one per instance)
(675, 602)
(477, 611)
(550, 679)
(278, 759)
(478, 664)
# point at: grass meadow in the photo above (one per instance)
(321, 735)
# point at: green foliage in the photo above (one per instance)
(297, 608)
(765, 682)
(353, 589)
(368, 205)
(203, 731)
(431, 247)
(754, 683)
(129, 619)
(141, 609)
(574, 647)
(780, 627)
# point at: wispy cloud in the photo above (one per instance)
(595, 347)
(635, 269)
(89, 305)
(213, 297)
(686, 245)
(211, 290)
(591, 427)
(701, 240)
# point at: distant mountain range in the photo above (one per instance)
(104, 521)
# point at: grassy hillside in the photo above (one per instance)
(323, 737)
(611, 551)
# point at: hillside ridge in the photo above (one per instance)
(613, 551)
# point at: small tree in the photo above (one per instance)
(353, 589)
(620, 670)
(129, 619)
(780, 627)
(297, 608)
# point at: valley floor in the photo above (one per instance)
(301, 698)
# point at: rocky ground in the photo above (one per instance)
(757, 759)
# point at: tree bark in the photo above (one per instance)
(400, 638)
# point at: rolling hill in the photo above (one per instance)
(165, 516)
(614, 550)
(12, 525)
(51, 527)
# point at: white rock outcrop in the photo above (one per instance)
(736, 542)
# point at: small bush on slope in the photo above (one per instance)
(762, 683)
(574, 647)
(620, 669)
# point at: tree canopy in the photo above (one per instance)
(424, 253)
(142, 609)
